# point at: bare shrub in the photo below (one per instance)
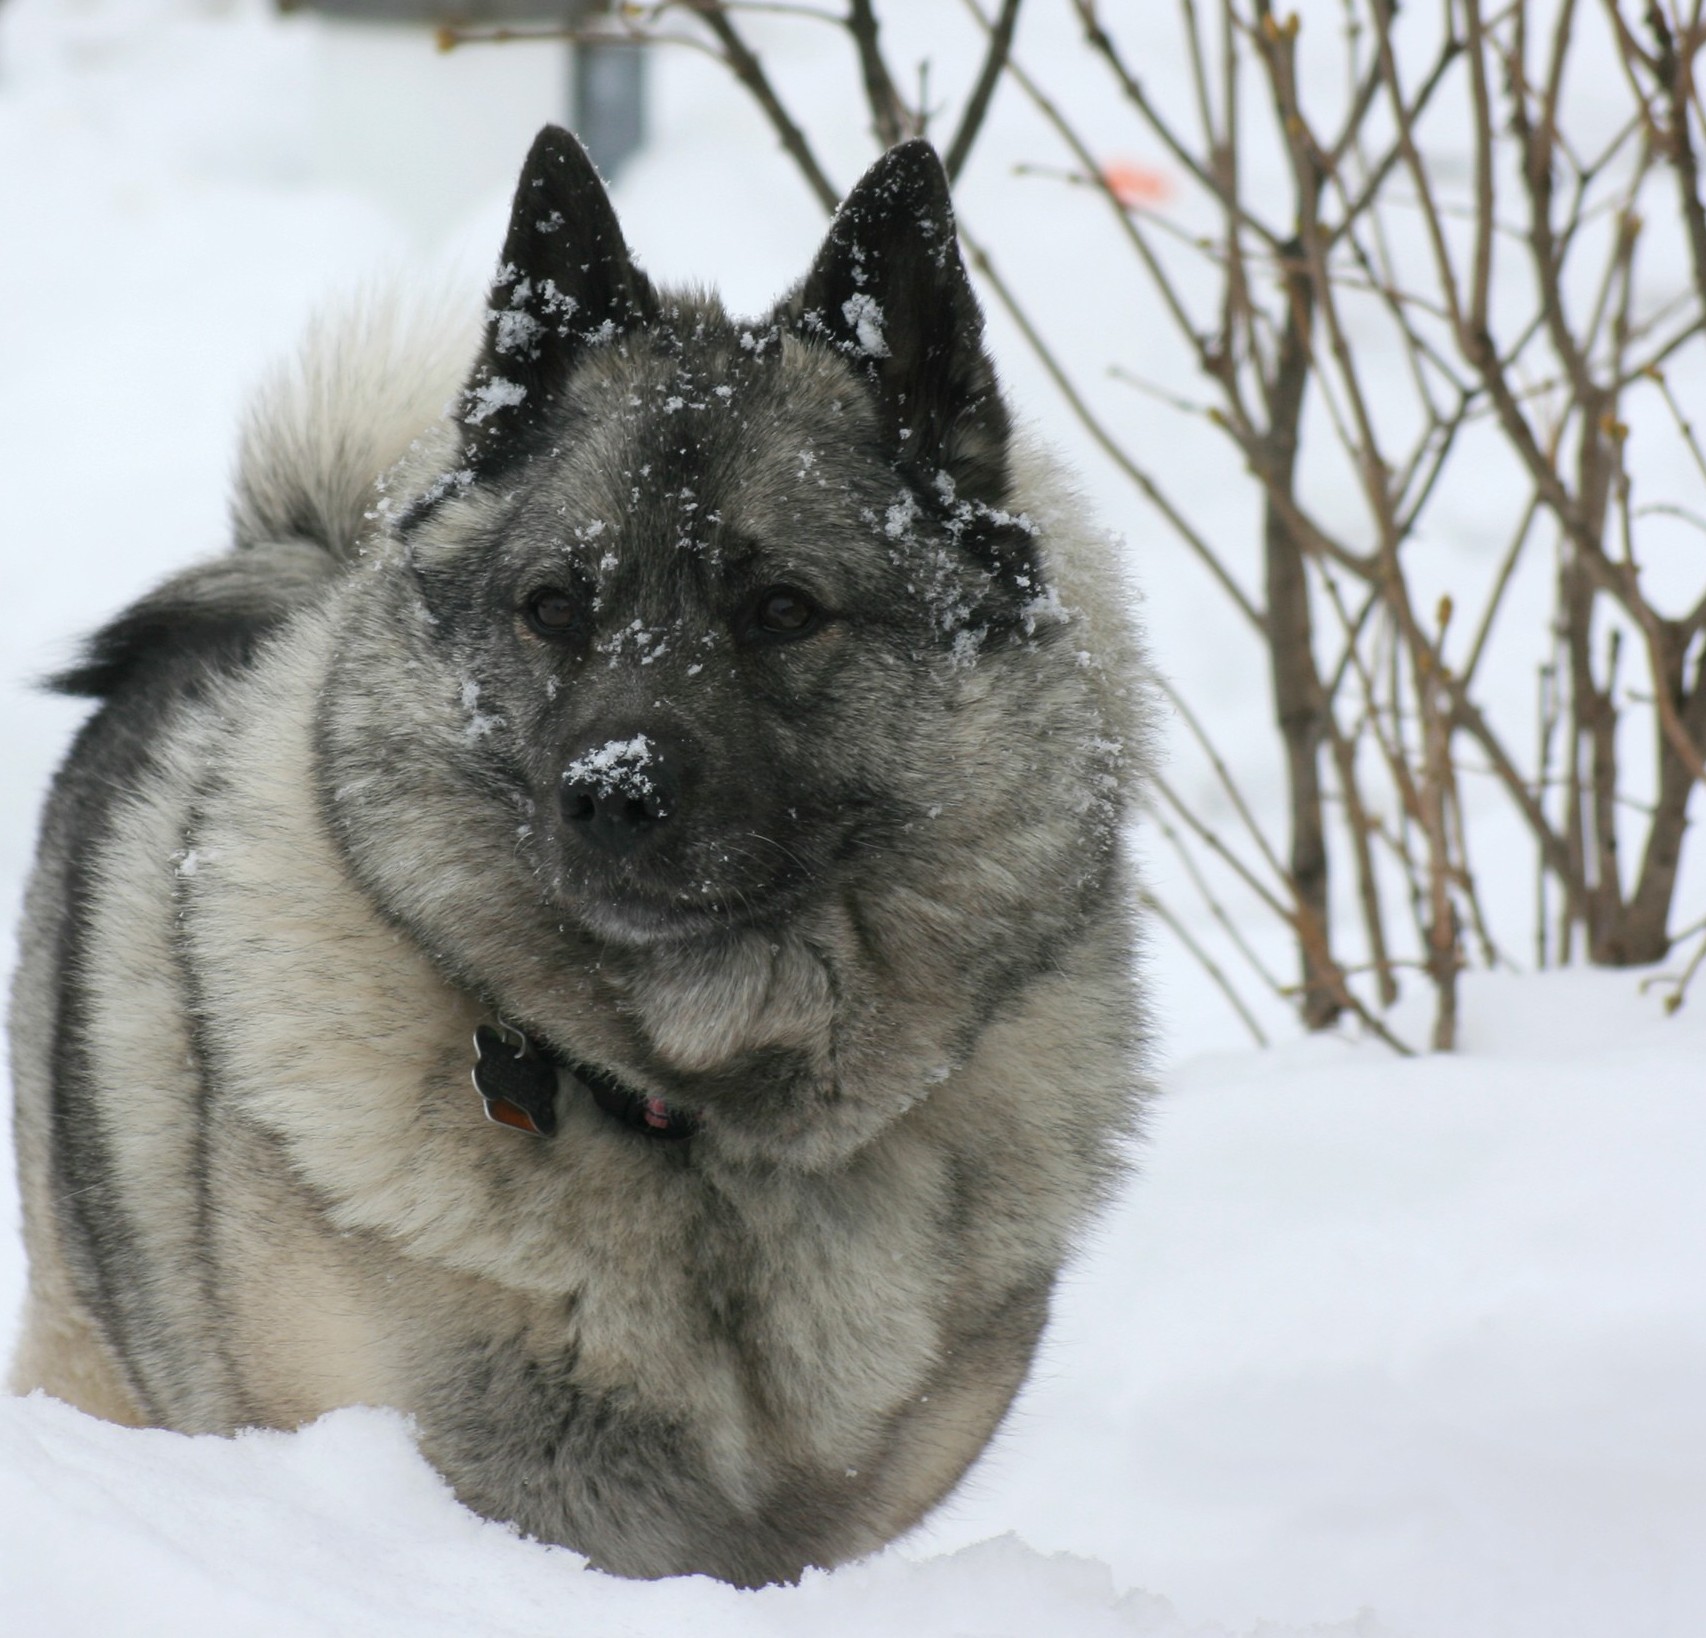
(1507, 201)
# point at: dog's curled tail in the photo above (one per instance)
(371, 382)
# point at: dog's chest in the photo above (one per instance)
(799, 1311)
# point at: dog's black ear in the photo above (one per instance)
(566, 283)
(889, 291)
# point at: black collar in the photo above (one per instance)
(519, 1078)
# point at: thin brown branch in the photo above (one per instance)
(985, 268)
(1677, 983)
(1674, 70)
(1404, 116)
(749, 71)
(1123, 218)
(1684, 426)
(890, 121)
(1375, 182)
(1233, 930)
(1495, 599)
(1224, 775)
(983, 89)
(1132, 88)
(1296, 916)
(1486, 212)
(1207, 962)
(1368, 885)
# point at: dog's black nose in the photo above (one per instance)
(617, 793)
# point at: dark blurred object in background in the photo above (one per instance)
(607, 77)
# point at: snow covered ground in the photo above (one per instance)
(1370, 1349)
(1373, 1350)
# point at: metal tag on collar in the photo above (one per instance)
(516, 1080)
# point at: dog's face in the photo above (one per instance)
(704, 707)
(713, 590)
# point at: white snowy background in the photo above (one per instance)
(1371, 1349)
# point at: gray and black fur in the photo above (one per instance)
(738, 709)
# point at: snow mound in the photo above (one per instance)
(342, 1527)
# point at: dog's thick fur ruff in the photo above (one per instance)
(845, 884)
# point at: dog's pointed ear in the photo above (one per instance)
(888, 290)
(566, 283)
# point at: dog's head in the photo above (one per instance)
(713, 588)
(706, 703)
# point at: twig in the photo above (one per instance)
(1678, 982)
(1206, 962)
(983, 90)
(889, 117)
(750, 72)
(1234, 933)
(985, 268)
(1297, 916)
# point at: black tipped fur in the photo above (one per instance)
(212, 618)
(888, 289)
(566, 283)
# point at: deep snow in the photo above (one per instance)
(1422, 1341)
(1393, 1350)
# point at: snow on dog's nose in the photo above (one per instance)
(615, 794)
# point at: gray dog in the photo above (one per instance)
(712, 740)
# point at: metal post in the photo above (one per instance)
(607, 101)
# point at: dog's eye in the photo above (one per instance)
(783, 611)
(552, 612)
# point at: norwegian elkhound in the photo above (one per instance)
(603, 922)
